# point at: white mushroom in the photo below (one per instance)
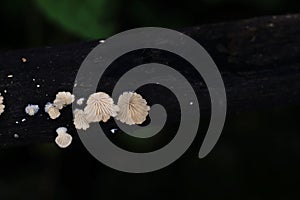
(52, 110)
(63, 99)
(63, 139)
(80, 120)
(1, 105)
(80, 101)
(133, 108)
(100, 107)
(32, 109)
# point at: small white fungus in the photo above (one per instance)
(80, 101)
(52, 110)
(63, 139)
(100, 107)
(32, 109)
(63, 99)
(133, 108)
(80, 120)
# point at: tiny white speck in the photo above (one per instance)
(17, 122)
(5, 91)
(24, 60)
(10, 76)
(33, 79)
(113, 130)
(23, 120)
(38, 86)
(75, 84)
(102, 41)
(16, 135)
(191, 103)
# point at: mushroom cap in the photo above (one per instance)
(1, 99)
(63, 98)
(80, 120)
(63, 140)
(100, 107)
(32, 109)
(133, 108)
(53, 112)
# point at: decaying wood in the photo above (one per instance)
(259, 60)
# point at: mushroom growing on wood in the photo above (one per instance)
(133, 108)
(100, 107)
(52, 110)
(63, 139)
(63, 99)
(32, 109)
(80, 120)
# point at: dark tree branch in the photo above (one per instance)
(259, 60)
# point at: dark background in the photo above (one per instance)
(257, 156)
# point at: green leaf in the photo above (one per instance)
(85, 18)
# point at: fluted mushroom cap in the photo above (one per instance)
(133, 108)
(63, 139)
(100, 107)
(80, 120)
(63, 98)
(52, 110)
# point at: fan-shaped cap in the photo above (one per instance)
(63, 98)
(63, 139)
(133, 108)
(52, 110)
(80, 120)
(100, 107)
(31, 109)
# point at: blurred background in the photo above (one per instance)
(31, 23)
(257, 157)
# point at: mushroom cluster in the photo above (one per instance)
(99, 107)
(130, 109)
(62, 99)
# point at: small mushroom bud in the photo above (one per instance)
(63, 139)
